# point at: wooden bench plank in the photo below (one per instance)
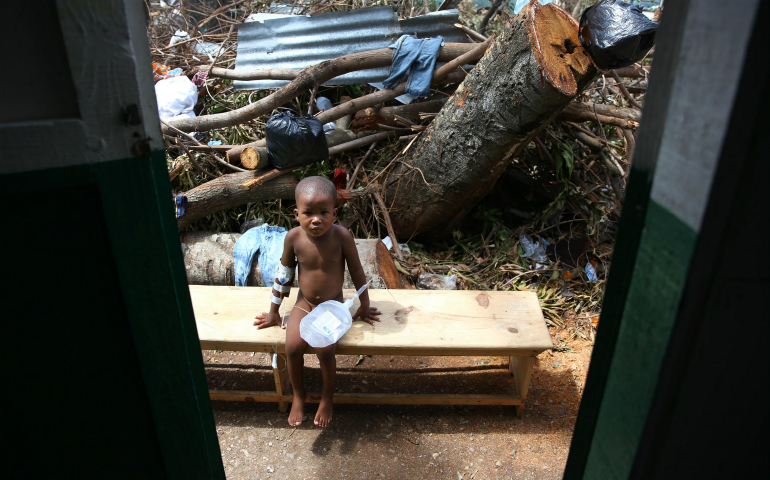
(415, 322)
(375, 398)
(426, 322)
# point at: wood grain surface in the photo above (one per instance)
(421, 322)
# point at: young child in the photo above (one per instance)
(321, 249)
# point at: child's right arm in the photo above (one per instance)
(273, 317)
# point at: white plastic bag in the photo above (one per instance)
(534, 249)
(431, 281)
(179, 36)
(328, 322)
(176, 97)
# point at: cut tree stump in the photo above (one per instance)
(527, 77)
(255, 158)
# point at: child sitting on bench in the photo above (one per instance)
(322, 249)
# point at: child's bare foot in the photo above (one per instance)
(297, 411)
(324, 415)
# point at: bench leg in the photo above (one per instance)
(281, 375)
(521, 369)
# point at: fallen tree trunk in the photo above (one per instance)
(315, 75)
(208, 260)
(229, 191)
(241, 188)
(525, 79)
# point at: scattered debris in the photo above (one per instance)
(565, 188)
(431, 281)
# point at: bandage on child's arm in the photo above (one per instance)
(282, 285)
(283, 273)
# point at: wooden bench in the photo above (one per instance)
(431, 323)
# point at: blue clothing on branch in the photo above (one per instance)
(414, 58)
(269, 241)
(521, 3)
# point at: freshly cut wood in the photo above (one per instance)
(525, 79)
(422, 322)
(255, 158)
(384, 95)
(208, 260)
(315, 75)
(415, 322)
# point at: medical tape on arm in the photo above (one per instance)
(281, 288)
(284, 274)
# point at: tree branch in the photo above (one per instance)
(317, 74)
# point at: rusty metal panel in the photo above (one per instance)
(301, 41)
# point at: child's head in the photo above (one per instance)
(315, 212)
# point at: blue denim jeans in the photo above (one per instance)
(414, 58)
(266, 239)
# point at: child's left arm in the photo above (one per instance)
(365, 312)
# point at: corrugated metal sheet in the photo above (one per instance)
(434, 24)
(302, 41)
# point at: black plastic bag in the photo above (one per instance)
(616, 34)
(293, 141)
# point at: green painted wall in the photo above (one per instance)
(106, 367)
(655, 291)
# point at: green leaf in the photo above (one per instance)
(569, 159)
(558, 157)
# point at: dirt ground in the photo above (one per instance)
(403, 441)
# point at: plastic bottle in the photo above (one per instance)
(328, 322)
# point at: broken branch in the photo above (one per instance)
(388, 224)
(624, 91)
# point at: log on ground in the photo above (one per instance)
(527, 77)
(241, 188)
(208, 260)
(232, 190)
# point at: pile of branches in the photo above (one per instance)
(574, 172)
